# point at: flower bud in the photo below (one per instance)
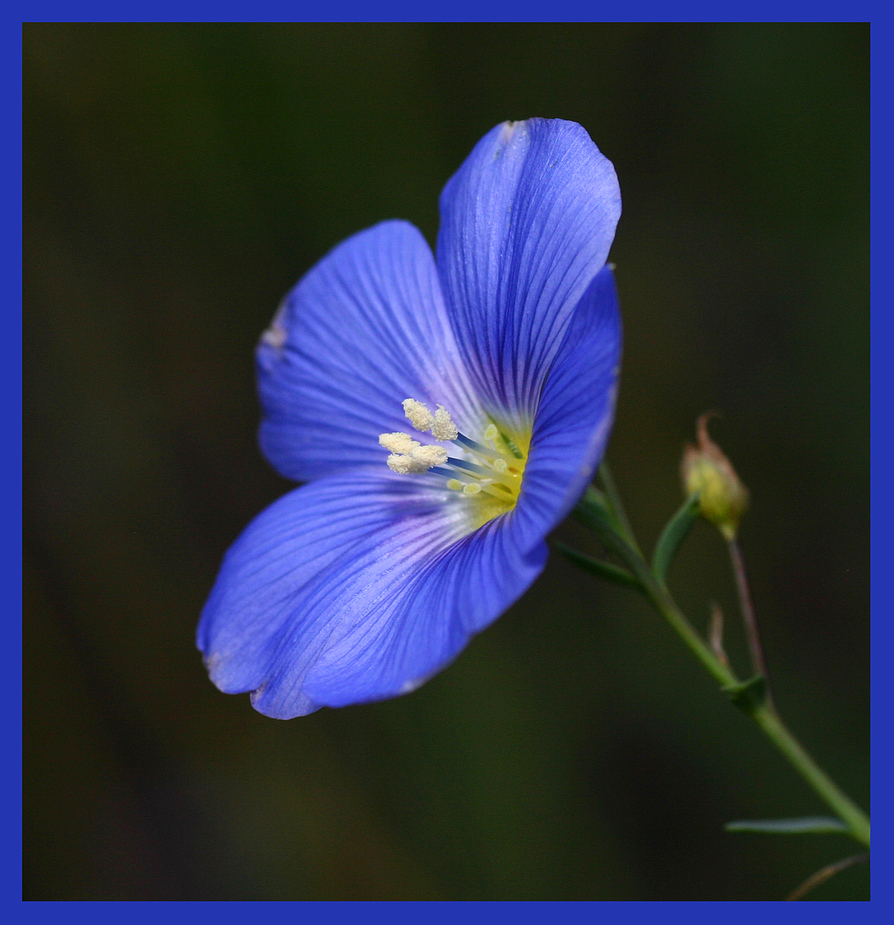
(706, 470)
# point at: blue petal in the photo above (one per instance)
(363, 330)
(576, 410)
(526, 223)
(357, 587)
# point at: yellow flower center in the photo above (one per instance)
(487, 473)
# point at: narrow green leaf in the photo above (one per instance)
(808, 825)
(673, 535)
(747, 695)
(593, 511)
(595, 496)
(604, 570)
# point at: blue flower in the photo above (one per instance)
(446, 415)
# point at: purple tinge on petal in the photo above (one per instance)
(526, 223)
(363, 330)
(356, 588)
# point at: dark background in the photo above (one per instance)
(178, 179)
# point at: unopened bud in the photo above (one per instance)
(706, 470)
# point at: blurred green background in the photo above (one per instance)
(178, 180)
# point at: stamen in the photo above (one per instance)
(454, 475)
(399, 443)
(470, 466)
(420, 417)
(430, 456)
(495, 489)
(444, 428)
(476, 447)
(402, 465)
(496, 471)
(421, 459)
(489, 475)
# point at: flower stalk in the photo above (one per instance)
(749, 695)
(758, 659)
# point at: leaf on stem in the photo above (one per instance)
(598, 567)
(747, 695)
(673, 535)
(595, 513)
(807, 825)
(715, 638)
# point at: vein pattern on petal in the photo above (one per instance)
(526, 223)
(323, 601)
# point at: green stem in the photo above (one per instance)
(665, 605)
(849, 813)
(592, 512)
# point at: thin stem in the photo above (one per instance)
(654, 590)
(758, 660)
(765, 715)
(590, 512)
(821, 876)
(846, 810)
